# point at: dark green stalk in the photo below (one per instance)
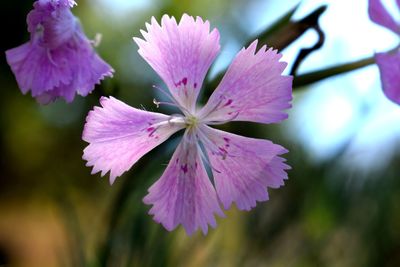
(315, 76)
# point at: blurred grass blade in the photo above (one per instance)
(73, 228)
(117, 209)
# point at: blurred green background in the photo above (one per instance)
(340, 206)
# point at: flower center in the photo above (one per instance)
(191, 122)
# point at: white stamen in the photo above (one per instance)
(212, 110)
(170, 97)
(156, 103)
(97, 40)
(177, 120)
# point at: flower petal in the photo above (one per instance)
(65, 91)
(181, 54)
(62, 32)
(119, 135)
(252, 89)
(69, 3)
(50, 73)
(389, 67)
(37, 68)
(59, 61)
(243, 167)
(184, 194)
(88, 68)
(378, 14)
(52, 21)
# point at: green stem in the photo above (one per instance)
(315, 76)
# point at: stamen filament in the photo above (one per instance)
(170, 97)
(158, 103)
(224, 121)
(212, 110)
(97, 40)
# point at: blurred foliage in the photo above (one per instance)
(54, 213)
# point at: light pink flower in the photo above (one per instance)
(388, 63)
(59, 60)
(253, 89)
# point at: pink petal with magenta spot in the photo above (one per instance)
(180, 53)
(119, 135)
(243, 168)
(253, 89)
(184, 194)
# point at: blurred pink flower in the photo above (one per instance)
(253, 89)
(388, 63)
(59, 60)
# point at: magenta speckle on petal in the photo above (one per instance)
(184, 81)
(222, 149)
(151, 131)
(184, 168)
(228, 102)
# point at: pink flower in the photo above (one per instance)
(253, 89)
(59, 60)
(388, 63)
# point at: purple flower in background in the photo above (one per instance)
(59, 60)
(388, 63)
(253, 89)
